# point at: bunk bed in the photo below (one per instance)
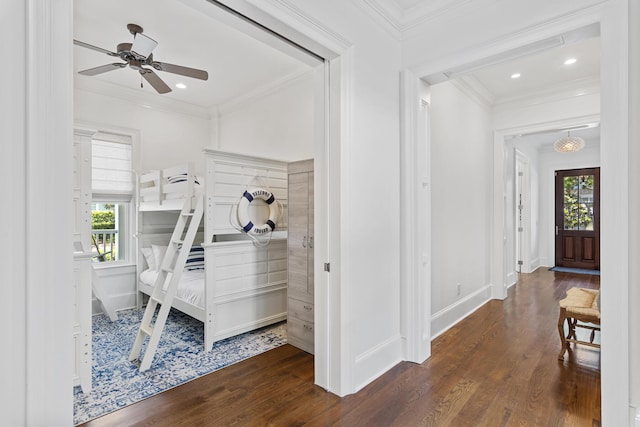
(230, 285)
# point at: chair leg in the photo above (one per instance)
(563, 339)
(572, 328)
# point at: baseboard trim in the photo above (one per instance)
(449, 316)
(511, 279)
(374, 362)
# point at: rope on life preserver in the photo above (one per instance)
(243, 211)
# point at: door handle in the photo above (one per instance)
(311, 242)
(556, 230)
(304, 242)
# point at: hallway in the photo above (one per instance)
(497, 367)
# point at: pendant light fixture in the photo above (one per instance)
(569, 144)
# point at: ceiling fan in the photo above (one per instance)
(137, 55)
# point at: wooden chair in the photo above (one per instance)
(580, 305)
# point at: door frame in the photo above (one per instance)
(613, 17)
(48, 123)
(559, 216)
(523, 253)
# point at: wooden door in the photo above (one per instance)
(299, 239)
(577, 215)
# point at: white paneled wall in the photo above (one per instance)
(228, 176)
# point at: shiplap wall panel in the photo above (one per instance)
(228, 175)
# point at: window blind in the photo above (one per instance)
(112, 165)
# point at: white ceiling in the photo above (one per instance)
(408, 4)
(543, 71)
(542, 74)
(237, 64)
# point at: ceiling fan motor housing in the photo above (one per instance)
(137, 55)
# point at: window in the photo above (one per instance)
(578, 202)
(112, 187)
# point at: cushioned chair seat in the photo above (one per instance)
(580, 305)
(582, 301)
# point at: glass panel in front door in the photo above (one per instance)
(578, 202)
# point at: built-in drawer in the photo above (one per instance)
(300, 334)
(301, 310)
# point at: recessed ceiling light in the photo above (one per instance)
(181, 85)
(570, 61)
(515, 75)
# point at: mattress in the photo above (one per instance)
(190, 288)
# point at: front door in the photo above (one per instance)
(578, 218)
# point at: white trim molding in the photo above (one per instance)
(400, 20)
(49, 182)
(452, 314)
(263, 91)
(376, 361)
(415, 224)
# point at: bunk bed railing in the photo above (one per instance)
(167, 188)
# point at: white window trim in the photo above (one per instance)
(107, 132)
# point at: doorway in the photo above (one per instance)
(577, 218)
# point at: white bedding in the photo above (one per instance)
(190, 288)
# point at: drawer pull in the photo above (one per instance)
(308, 328)
(308, 308)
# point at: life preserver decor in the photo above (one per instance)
(243, 211)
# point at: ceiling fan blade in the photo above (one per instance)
(143, 45)
(102, 69)
(155, 81)
(179, 69)
(90, 46)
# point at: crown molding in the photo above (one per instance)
(400, 20)
(323, 40)
(576, 88)
(258, 93)
(386, 13)
(475, 90)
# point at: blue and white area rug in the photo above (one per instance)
(180, 358)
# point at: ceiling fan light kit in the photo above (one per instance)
(137, 55)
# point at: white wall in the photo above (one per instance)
(167, 137)
(369, 191)
(461, 203)
(13, 168)
(276, 124)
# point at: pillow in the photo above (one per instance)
(149, 258)
(181, 178)
(158, 254)
(195, 259)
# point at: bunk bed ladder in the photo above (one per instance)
(171, 270)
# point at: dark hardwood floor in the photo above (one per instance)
(497, 367)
